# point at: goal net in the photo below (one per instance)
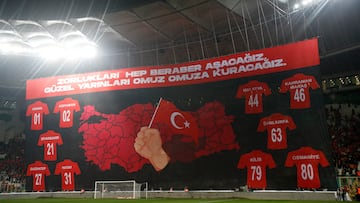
(128, 189)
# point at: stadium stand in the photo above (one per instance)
(12, 165)
(343, 123)
(339, 51)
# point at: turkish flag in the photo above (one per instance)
(178, 121)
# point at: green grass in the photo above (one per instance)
(65, 200)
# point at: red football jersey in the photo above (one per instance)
(66, 107)
(307, 160)
(256, 162)
(50, 139)
(37, 110)
(253, 91)
(276, 125)
(38, 170)
(67, 169)
(299, 85)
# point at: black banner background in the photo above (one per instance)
(215, 171)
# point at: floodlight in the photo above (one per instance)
(14, 48)
(5, 38)
(53, 39)
(296, 6)
(81, 51)
(304, 4)
(39, 41)
(89, 51)
(50, 52)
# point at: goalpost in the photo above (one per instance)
(127, 189)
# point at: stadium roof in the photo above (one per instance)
(150, 32)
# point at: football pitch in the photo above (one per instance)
(66, 200)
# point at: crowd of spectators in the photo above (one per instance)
(344, 128)
(12, 165)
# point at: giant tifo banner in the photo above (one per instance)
(252, 119)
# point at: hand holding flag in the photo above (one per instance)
(149, 145)
(178, 121)
(148, 142)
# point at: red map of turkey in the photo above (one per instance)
(109, 138)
